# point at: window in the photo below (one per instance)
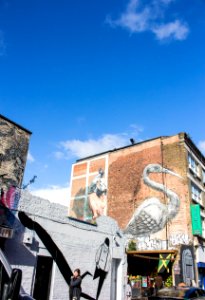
(196, 193)
(203, 226)
(193, 165)
(203, 176)
(202, 213)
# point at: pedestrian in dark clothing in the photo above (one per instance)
(75, 285)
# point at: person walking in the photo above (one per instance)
(75, 285)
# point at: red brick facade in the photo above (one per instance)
(127, 191)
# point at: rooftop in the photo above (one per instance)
(19, 126)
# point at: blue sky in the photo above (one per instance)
(85, 76)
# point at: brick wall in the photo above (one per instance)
(127, 190)
(175, 156)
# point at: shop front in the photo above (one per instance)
(149, 271)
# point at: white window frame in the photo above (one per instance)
(193, 165)
(203, 175)
(196, 193)
(203, 224)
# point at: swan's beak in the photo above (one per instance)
(172, 173)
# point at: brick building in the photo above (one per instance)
(155, 190)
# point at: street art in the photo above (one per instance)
(10, 198)
(88, 198)
(102, 255)
(152, 215)
(179, 239)
(145, 243)
(103, 261)
(8, 206)
(97, 192)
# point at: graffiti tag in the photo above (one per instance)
(179, 239)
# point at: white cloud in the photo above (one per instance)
(30, 157)
(175, 30)
(54, 194)
(140, 18)
(80, 149)
(2, 44)
(201, 146)
(132, 19)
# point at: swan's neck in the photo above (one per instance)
(174, 202)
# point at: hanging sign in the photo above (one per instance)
(196, 219)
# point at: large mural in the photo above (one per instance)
(88, 198)
(152, 215)
(97, 192)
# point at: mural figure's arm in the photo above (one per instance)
(53, 249)
(101, 270)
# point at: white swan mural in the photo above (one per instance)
(152, 215)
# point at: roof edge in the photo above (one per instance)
(194, 148)
(16, 124)
(124, 147)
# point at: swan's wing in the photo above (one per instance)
(149, 218)
(141, 225)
